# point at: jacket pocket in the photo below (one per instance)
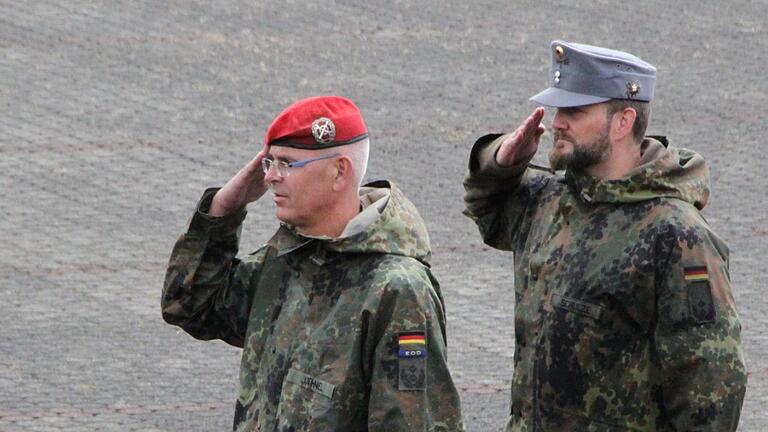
(590, 370)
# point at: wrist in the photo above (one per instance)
(504, 153)
(218, 209)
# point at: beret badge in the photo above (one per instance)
(323, 130)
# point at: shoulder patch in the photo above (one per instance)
(700, 302)
(412, 361)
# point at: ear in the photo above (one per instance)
(622, 123)
(343, 173)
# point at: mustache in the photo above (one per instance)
(557, 135)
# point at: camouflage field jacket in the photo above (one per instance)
(340, 334)
(624, 317)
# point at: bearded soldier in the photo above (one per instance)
(624, 317)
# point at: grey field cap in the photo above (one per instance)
(585, 74)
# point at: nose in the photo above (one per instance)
(271, 175)
(558, 121)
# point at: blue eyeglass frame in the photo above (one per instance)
(295, 164)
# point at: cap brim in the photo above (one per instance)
(559, 98)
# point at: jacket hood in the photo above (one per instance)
(389, 224)
(663, 172)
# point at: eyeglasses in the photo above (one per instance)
(282, 167)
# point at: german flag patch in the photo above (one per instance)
(412, 344)
(696, 274)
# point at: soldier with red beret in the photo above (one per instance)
(341, 321)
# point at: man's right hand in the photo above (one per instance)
(246, 186)
(523, 142)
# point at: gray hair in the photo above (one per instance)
(359, 152)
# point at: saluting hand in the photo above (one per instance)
(523, 142)
(246, 186)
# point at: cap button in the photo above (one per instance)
(559, 51)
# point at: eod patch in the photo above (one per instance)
(412, 361)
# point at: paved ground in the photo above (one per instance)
(114, 116)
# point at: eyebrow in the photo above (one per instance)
(571, 110)
(281, 158)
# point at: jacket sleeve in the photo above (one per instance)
(207, 291)
(697, 337)
(498, 198)
(411, 393)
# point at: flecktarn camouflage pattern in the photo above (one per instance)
(337, 335)
(624, 317)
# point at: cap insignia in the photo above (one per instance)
(632, 88)
(557, 77)
(560, 54)
(323, 130)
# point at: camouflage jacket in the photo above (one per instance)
(624, 318)
(340, 334)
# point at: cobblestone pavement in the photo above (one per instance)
(114, 116)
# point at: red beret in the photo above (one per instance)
(317, 123)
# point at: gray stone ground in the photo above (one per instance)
(114, 116)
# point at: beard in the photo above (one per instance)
(583, 156)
